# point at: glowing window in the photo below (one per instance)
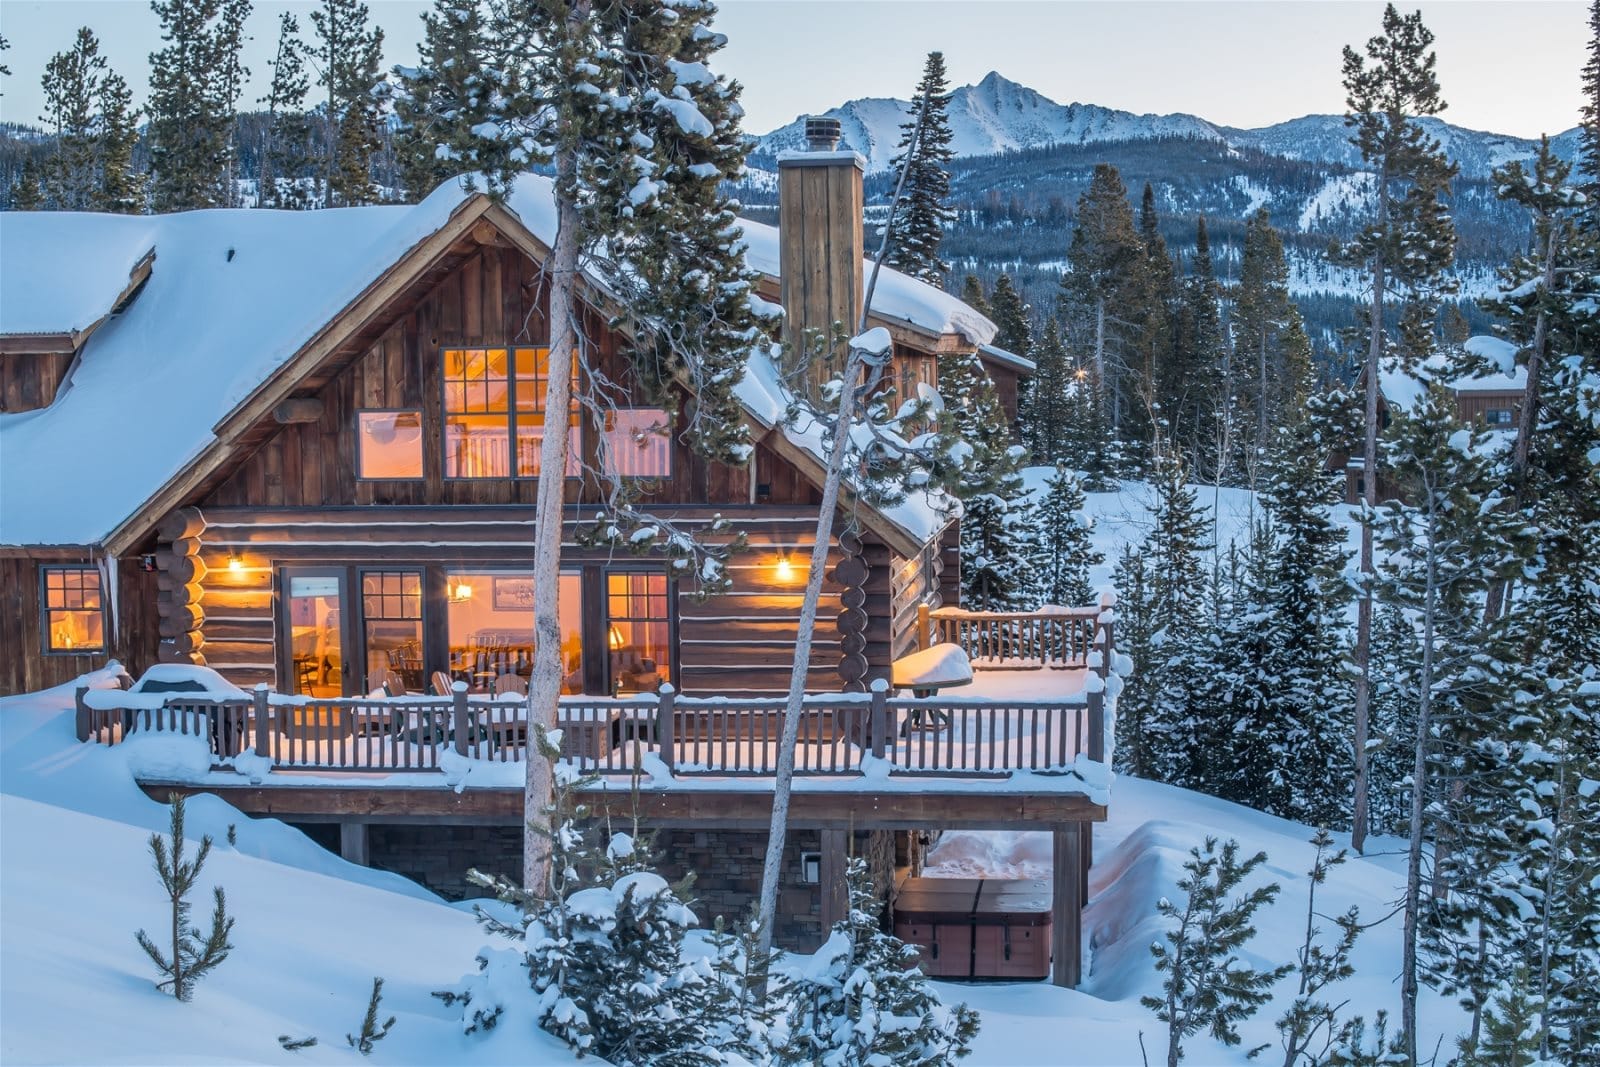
(494, 417)
(389, 444)
(636, 443)
(638, 631)
(74, 619)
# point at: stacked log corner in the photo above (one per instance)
(179, 574)
(851, 572)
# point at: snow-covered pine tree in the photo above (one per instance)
(1207, 986)
(193, 954)
(1106, 258)
(1305, 601)
(1404, 248)
(1010, 314)
(1195, 389)
(1045, 413)
(1177, 730)
(1511, 1029)
(996, 571)
(866, 1004)
(972, 294)
(1271, 344)
(285, 160)
(1310, 1028)
(1065, 550)
(922, 216)
(72, 82)
(121, 187)
(1136, 625)
(1152, 306)
(348, 60)
(1446, 545)
(195, 81)
(441, 104)
(1393, 735)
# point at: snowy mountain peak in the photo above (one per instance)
(999, 115)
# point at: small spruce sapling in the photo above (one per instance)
(1351, 1050)
(1310, 1019)
(193, 954)
(371, 1032)
(1208, 987)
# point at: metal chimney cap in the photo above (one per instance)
(822, 133)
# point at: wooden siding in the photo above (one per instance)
(1474, 406)
(29, 380)
(739, 642)
(819, 216)
(24, 666)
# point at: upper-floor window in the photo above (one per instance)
(389, 444)
(74, 616)
(1497, 416)
(494, 413)
(636, 443)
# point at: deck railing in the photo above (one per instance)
(662, 733)
(1058, 637)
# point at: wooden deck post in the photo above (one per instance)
(878, 723)
(835, 891)
(1097, 725)
(461, 723)
(1088, 856)
(83, 712)
(1066, 906)
(924, 636)
(354, 844)
(263, 714)
(665, 741)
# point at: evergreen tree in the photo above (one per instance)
(1589, 123)
(922, 215)
(371, 1030)
(348, 59)
(1151, 307)
(194, 954)
(1010, 314)
(1106, 266)
(1048, 413)
(285, 160)
(1311, 1021)
(27, 192)
(972, 294)
(72, 82)
(1207, 986)
(1403, 249)
(867, 1004)
(121, 187)
(1393, 737)
(1511, 1035)
(1178, 729)
(1270, 340)
(1065, 550)
(442, 102)
(1195, 388)
(195, 83)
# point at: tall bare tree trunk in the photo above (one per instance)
(1419, 787)
(1100, 364)
(544, 686)
(1369, 496)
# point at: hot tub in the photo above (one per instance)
(977, 927)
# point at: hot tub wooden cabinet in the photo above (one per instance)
(977, 927)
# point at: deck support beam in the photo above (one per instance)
(355, 844)
(1066, 903)
(835, 862)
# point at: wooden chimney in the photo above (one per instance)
(820, 238)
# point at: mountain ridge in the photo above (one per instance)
(997, 115)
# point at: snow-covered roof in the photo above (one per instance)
(232, 296)
(1008, 359)
(1404, 390)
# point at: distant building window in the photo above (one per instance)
(1497, 416)
(637, 443)
(74, 616)
(494, 413)
(389, 444)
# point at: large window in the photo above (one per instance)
(389, 444)
(637, 444)
(638, 631)
(490, 625)
(391, 608)
(494, 413)
(74, 618)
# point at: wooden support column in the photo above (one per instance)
(1087, 860)
(354, 844)
(835, 892)
(1066, 906)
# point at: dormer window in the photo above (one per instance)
(494, 413)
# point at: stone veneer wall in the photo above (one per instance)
(726, 865)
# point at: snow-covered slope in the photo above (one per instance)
(999, 115)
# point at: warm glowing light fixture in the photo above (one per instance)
(785, 569)
(459, 591)
(614, 637)
(235, 563)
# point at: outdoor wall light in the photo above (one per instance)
(235, 563)
(810, 868)
(785, 569)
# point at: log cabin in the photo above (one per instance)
(300, 450)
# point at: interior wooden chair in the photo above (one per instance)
(511, 683)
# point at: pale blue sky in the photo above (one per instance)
(1510, 66)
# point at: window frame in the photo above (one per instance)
(359, 585)
(512, 414)
(422, 443)
(605, 620)
(46, 646)
(601, 432)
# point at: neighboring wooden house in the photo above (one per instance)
(301, 450)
